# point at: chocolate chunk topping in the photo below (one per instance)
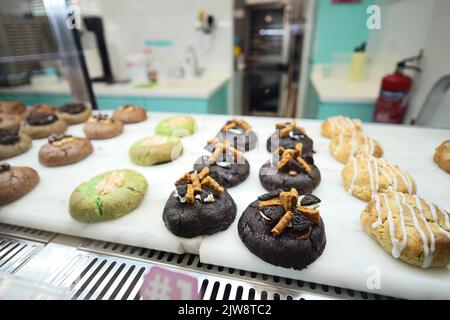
(40, 118)
(100, 116)
(58, 137)
(309, 200)
(9, 136)
(274, 213)
(181, 188)
(205, 193)
(72, 108)
(270, 195)
(301, 223)
(4, 167)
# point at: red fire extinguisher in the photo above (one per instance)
(392, 101)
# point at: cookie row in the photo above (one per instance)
(282, 227)
(410, 228)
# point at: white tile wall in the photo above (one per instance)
(139, 20)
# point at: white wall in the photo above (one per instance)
(407, 27)
(140, 20)
(436, 62)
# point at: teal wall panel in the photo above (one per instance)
(339, 28)
(218, 103)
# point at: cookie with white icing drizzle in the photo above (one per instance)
(350, 143)
(410, 228)
(335, 125)
(363, 176)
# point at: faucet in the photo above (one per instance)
(193, 61)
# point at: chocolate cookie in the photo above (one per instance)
(284, 229)
(130, 114)
(64, 149)
(10, 121)
(239, 133)
(226, 165)
(289, 170)
(199, 206)
(100, 127)
(288, 135)
(38, 125)
(13, 143)
(12, 107)
(74, 113)
(15, 182)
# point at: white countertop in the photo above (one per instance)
(332, 85)
(194, 88)
(349, 256)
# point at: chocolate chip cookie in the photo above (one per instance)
(101, 126)
(39, 125)
(130, 113)
(12, 107)
(64, 149)
(9, 121)
(15, 182)
(74, 113)
(13, 143)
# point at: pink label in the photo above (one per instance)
(163, 284)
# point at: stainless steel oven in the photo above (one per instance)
(272, 40)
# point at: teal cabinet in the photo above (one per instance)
(217, 103)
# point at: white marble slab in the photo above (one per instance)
(350, 256)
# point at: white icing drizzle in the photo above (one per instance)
(433, 211)
(341, 123)
(355, 173)
(377, 223)
(404, 177)
(397, 245)
(427, 250)
(369, 169)
(394, 177)
(446, 217)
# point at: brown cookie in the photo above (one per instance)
(15, 182)
(63, 150)
(442, 156)
(39, 125)
(130, 114)
(74, 113)
(12, 107)
(43, 108)
(100, 127)
(13, 143)
(9, 121)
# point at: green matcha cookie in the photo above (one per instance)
(155, 149)
(178, 126)
(108, 196)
